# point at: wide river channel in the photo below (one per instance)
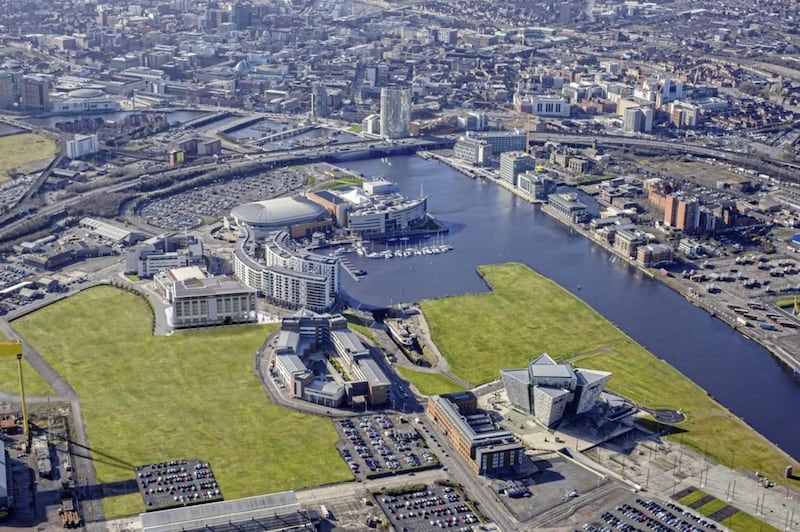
(489, 225)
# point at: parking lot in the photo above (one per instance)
(189, 209)
(743, 291)
(433, 507)
(639, 513)
(380, 444)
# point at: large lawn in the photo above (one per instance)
(18, 151)
(194, 394)
(527, 314)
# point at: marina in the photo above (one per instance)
(400, 248)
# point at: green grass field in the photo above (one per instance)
(712, 507)
(35, 385)
(739, 522)
(18, 151)
(342, 182)
(527, 314)
(696, 495)
(194, 394)
(429, 383)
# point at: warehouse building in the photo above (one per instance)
(111, 231)
(265, 513)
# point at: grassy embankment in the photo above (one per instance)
(527, 314)
(149, 399)
(429, 383)
(19, 151)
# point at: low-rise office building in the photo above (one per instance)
(653, 255)
(162, 253)
(538, 186)
(306, 339)
(627, 242)
(199, 301)
(567, 208)
(472, 150)
(488, 449)
(513, 163)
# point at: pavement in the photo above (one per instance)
(778, 506)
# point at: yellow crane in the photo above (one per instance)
(9, 348)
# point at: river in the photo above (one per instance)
(491, 225)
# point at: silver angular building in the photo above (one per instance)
(395, 112)
(550, 391)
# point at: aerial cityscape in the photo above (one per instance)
(399, 265)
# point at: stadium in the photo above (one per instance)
(297, 215)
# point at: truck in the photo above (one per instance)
(325, 512)
(743, 322)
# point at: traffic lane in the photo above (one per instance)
(457, 470)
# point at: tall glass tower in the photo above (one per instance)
(395, 112)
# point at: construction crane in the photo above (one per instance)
(9, 348)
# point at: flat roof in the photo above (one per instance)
(276, 511)
(186, 273)
(349, 341)
(211, 286)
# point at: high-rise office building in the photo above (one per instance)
(6, 90)
(242, 15)
(35, 93)
(319, 100)
(395, 112)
